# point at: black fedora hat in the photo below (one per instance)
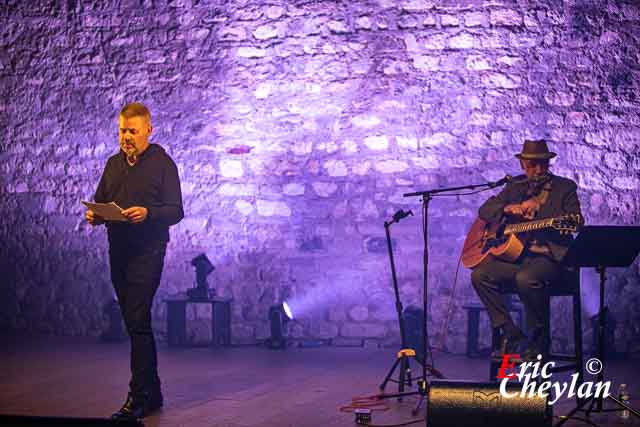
(535, 150)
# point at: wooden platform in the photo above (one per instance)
(235, 387)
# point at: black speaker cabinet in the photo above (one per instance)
(473, 404)
(31, 421)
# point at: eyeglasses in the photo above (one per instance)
(532, 163)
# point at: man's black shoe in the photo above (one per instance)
(509, 344)
(131, 410)
(531, 355)
(138, 407)
(154, 401)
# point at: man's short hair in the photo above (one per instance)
(135, 109)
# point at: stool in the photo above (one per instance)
(567, 285)
(177, 320)
(473, 325)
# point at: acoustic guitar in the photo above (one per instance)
(502, 241)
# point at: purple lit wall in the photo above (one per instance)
(297, 127)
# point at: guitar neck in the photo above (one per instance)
(528, 226)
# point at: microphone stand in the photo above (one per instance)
(404, 355)
(423, 384)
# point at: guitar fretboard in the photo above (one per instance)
(528, 226)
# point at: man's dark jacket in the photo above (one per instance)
(563, 199)
(152, 183)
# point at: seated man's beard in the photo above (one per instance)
(537, 183)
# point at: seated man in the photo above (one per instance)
(538, 195)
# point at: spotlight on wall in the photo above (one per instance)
(287, 310)
(279, 315)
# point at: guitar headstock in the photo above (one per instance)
(569, 223)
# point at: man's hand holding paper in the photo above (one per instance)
(100, 212)
(135, 214)
(92, 218)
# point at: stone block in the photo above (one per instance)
(244, 207)
(231, 168)
(346, 342)
(377, 142)
(378, 245)
(559, 98)
(251, 52)
(447, 20)
(617, 161)
(462, 41)
(335, 168)
(391, 166)
(272, 208)
(363, 23)
(475, 19)
(274, 12)
(417, 5)
(294, 189)
(407, 142)
(324, 189)
(477, 63)
(407, 22)
(359, 313)
(338, 27)
(626, 183)
(363, 330)
(366, 121)
(439, 139)
(506, 17)
(336, 313)
(265, 32)
(502, 81)
(324, 330)
(426, 62)
(237, 190)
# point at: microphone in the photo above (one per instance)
(400, 215)
(503, 181)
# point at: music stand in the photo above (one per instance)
(602, 246)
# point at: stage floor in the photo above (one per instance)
(235, 387)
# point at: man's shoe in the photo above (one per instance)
(132, 409)
(531, 354)
(509, 344)
(154, 401)
(138, 407)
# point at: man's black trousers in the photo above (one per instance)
(531, 278)
(136, 269)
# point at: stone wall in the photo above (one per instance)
(297, 126)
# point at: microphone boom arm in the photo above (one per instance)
(491, 184)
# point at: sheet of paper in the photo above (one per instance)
(107, 211)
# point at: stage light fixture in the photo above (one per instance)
(279, 315)
(287, 310)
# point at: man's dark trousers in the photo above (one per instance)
(531, 276)
(136, 268)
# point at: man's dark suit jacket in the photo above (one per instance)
(563, 199)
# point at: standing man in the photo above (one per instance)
(537, 195)
(143, 180)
